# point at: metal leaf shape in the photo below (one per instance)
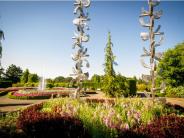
(144, 13)
(1, 35)
(158, 56)
(158, 29)
(146, 53)
(146, 78)
(144, 64)
(142, 22)
(154, 3)
(158, 14)
(160, 41)
(159, 33)
(144, 36)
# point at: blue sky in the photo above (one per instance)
(38, 35)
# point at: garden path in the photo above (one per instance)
(7, 105)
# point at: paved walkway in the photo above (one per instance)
(7, 104)
(177, 101)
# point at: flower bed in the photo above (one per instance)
(35, 123)
(102, 119)
(36, 95)
(110, 117)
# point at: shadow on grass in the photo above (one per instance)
(15, 104)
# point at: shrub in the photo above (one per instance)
(141, 87)
(18, 85)
(31, 84)
(8, 125)
(175, 92)
(132, 87)
(165, 127)
(5, 84)
(115, 86)
(2, 93)
(41, 124)
(61, 84)
(49, 85)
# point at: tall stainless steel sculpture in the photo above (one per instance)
(151, 36)
(1, 38)
(80, 55)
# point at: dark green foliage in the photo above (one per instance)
(49, 85)
(2, 93)
(171, 67)
(25, 76)
(91, 85)
(109, 58)
(115, 86)
(33, 78)
(13, 73)
(5, 84)
(62, 79)
(59, 79)
(132, 87)
(61, 84)
(96, 78)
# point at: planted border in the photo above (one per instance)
(39, 95)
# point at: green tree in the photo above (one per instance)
(109, 58)
(59, 79)
(25, 76)
(96, 78)
(13, 73)
(1, 74)
(110, 83)
(68, 79)
(171, 67)
(33, 78)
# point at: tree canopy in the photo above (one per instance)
(109, 58)
(171, 66)
(13, 73)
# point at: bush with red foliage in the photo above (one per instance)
(170, 126)
(35, 123)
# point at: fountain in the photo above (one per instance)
(42, 84)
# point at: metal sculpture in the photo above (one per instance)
(80, 55)
(151, 35)
(1, 38)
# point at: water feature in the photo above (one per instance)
(42, 84)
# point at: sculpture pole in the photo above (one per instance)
(154, 57)
(80, 55)
(1, 38)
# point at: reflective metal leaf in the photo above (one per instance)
(144, 64)
(144, 36)
(160, 41)
(142, 22)
(158, 56)
(154, 2)
(158, 14)
(144, 13)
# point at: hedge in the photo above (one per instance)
(132, 87)
(2, 93)
(5, 84)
